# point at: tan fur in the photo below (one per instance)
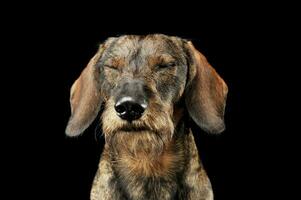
(206, 94)
(141, 161)
(84, 98)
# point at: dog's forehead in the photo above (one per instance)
(150, 45)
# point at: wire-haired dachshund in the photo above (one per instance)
(148, 89)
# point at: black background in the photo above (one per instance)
(48, 49)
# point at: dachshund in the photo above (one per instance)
(148, 90)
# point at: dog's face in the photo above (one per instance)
(141, 82)
(143, 77)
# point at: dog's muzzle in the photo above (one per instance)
(131, 100)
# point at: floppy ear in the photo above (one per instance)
(85, 98)
(206, 93)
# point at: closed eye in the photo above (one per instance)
(166, 65)
(111, 67)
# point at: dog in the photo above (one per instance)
(148, 90)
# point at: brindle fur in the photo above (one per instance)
(154, 157)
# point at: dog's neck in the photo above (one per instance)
(143, 163)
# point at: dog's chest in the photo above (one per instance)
(149, 188)
(146, 177)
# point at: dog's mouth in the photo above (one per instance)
(134, 129)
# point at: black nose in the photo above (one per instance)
(128, 109)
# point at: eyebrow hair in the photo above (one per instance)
(107, 54)
(170, 49)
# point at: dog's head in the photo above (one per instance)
(142, 81)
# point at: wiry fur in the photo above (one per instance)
(155, 156)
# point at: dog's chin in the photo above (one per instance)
(136, 142)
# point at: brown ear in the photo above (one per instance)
(206, 93)
(85, 98)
